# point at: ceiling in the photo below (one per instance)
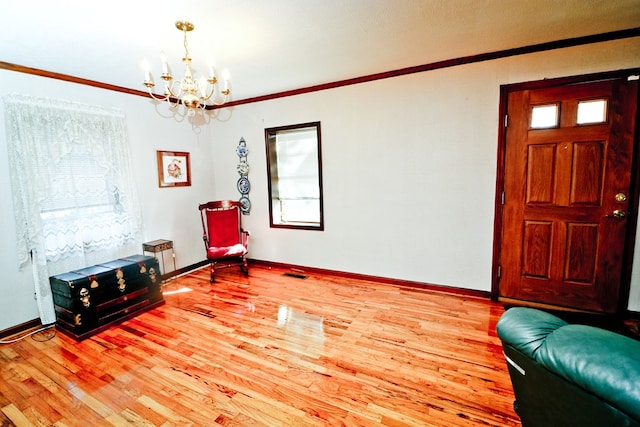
(270, 46)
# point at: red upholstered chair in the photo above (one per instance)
(225, 241)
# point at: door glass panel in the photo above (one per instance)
(593, 111)
(544, 116)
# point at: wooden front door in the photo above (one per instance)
(567, 178)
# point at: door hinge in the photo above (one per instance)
(506, 120)
(499, 271)
(502, 197)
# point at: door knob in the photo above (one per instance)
(618, 213)
(621, 197)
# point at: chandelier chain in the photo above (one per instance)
(186, 46)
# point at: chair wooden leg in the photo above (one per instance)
(245, 267)
(213, 272)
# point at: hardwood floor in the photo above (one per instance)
(271, 350)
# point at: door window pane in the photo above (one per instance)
(544, 116)
(593, 111)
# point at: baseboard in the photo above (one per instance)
(298, 269)
(634, 314)
(184, 270)
(20, 329)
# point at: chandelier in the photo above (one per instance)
(193, 94)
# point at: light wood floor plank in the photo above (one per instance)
(16, 416)
(271, 350)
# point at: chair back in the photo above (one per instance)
(221, 223)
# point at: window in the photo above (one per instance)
(544, 116)
(73, 190)
(592, 111)
(83, 210)
(72, 179)
(295, 176)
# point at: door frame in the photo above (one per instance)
(634, 193)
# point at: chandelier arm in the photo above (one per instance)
(207, 95)
(168, 89)
(166, 98)
(153, 95)
(224, 101)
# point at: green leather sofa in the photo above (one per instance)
(567, 374)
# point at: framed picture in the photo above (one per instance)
(174, 169)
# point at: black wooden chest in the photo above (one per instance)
(92, 299)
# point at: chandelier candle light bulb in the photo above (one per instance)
(226, 76)
(191, 93)
(165, 67)
(147, 71)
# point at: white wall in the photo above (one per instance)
(409, 169)
(403, 197)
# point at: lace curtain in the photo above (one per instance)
(73, 191)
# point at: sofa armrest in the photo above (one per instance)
(526, 329)
(603, 363)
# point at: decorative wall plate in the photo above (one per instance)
(243, 185)
(245, 204)
(241, 149)
(243, 168)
